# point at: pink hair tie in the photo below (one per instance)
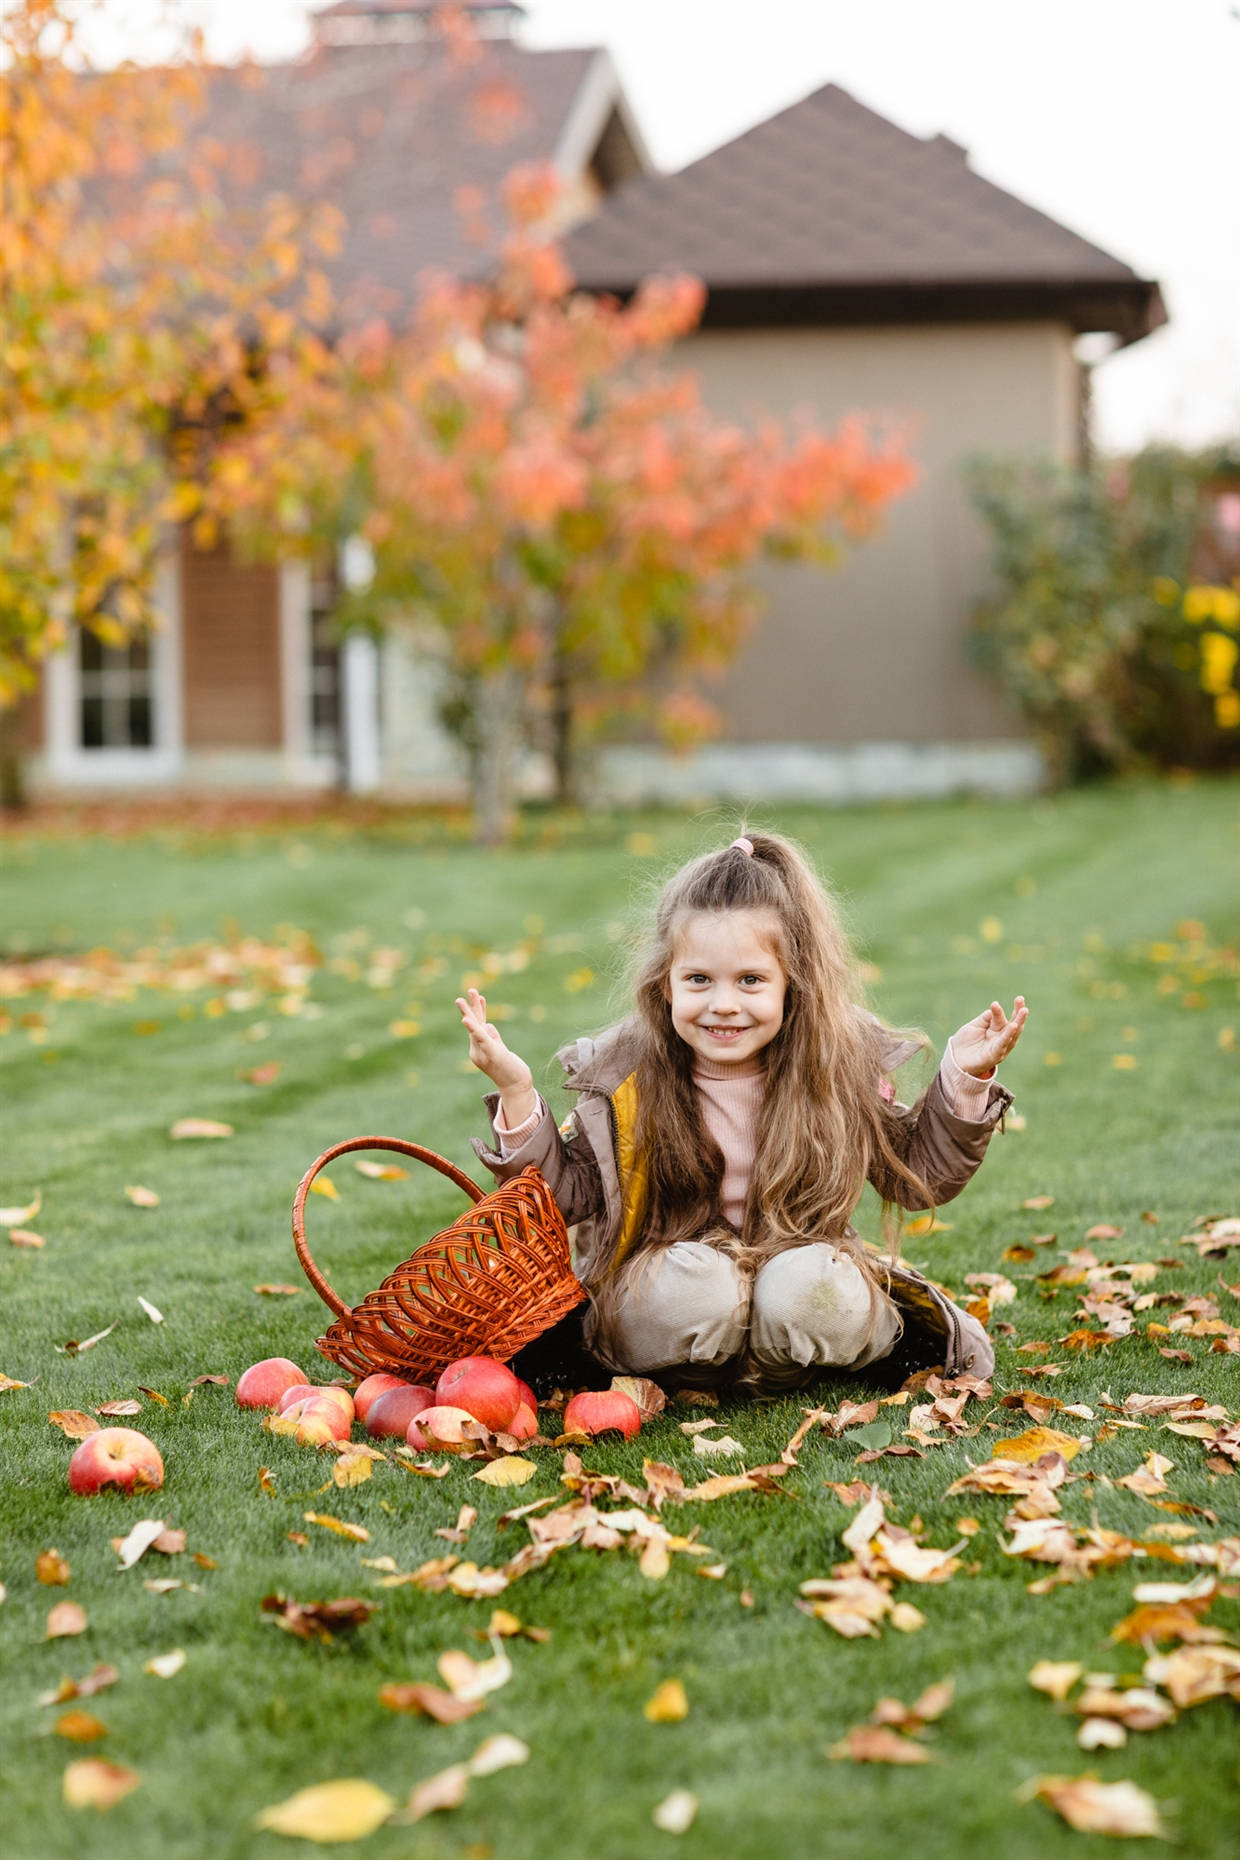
(746, 847)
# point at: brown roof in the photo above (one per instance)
(828, 212)
(391, 134)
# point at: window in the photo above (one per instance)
(116, 706)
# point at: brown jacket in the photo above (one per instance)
(589, 1164)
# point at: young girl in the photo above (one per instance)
(722, 1135)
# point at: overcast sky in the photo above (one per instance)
(1119, 117)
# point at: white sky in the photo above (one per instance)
(1121, 118)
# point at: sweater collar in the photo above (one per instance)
(709, 1069)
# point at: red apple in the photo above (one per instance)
(484, 1388)
(116, 1456)
(597, 1412)
(438, 1430)
(263, 1383)
(528, 1397)
(370, 1390)
(313, 1421)
(393, 1411)
(524, 1424)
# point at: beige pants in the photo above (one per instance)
(808, 1307)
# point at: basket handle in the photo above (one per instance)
(330, 1298)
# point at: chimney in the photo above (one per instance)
(387, 22)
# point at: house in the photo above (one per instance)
(848, 264)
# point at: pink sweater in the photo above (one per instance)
(731, 1100)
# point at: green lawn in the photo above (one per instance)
(1080, 886)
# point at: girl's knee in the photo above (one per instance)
(815, 1304)
(687, 1306)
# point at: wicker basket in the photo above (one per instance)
(488, 1285)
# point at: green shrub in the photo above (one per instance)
(1114, 622)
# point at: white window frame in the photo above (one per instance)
(68, 764)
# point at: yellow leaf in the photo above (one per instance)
(93, 1783)
(199, 1127)
(498, 1753)
(668, 1705)
(655, 1561)
(323, 1185)
(473, 1679)
(330, 1812)
(166, 1665)
(1055, 1677)
(381, 1172)
(510, 1470)
(17, 1217)
(1094, 1807)
(80, 1727)
(928, 1224)
(352, 1468)
(355, 1531)
(1034, 1442)
(51, 1568)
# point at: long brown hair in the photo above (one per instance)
(825, 1126)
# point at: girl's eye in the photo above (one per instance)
(695, 979)
(751, 981)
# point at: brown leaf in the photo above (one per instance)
(442, 1791)
(1104, 1232)
(80, 1727)
(155, 1395)
(1155, 1621)
(263, 1075)
(73, 1424)
(51, 1568)
(117, 1408)
(267, 1481)
(1176, 1356)
(877, 1744)
(1094, 1807)
(171, 1543)
(22, 1236)
(279, 1291)
(648, 1395)
(142, 1197)
(220, 1381)
(1086, 1340)
(96, 1681)
(317, 1620)
(432, 1701)
(92, 1783)
(66, 1618)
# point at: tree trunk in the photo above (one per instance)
(563, 746)
(499, 729)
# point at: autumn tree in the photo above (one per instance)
(142, 318)
(565, 509)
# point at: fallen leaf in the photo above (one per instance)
(654, 1562)
(381, 1172)
(927, 1224)
(1102, 1734)
(906, 1618)
(164, 1585)
(220, 1381)
(509, 1469)
(338, 1525)
(139, 1541)
(9, 1382)
(97, 1681)
(724, 1447)
(1094, 1807)
(278, 1291)
(1194, 1674)
(468, 1580)
(142, 1197)
(22, 1236)
(1036, 1203)
(1138, 1708)
(648, 1395)
(501, 1752)
(675, 1813)
(154, 1395)
(1149, 1479)
(80, 1727)
(722, 1485)
(352, 1468)
(1105, 1232)
(1018, 1256)
(442, 1791)
(17, 1217)
(432, 1701)
(317, 1620)
(473, 1679)
(199, 1127)
(668, 1705)
(52, 1569)
(1025, 1448)
(118, 1408)
(74, 1348)
(323, 1185)
(329, 1812)
(166, 1665)
(66, 1618)
(867, 1743)
(93, 1783)
(267, 1481)
(1055, 1677)
(263, 1075)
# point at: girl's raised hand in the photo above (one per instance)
(982, 1043)
(507, 1071)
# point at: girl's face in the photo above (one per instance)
(726, 985)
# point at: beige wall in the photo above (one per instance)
(871, 652)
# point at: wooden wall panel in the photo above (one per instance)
(230, 652)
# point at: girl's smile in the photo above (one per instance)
(726, 987)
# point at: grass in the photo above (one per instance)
(1080, 887)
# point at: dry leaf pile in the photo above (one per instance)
(247, 968)
(857, 1596)
(1094, 1807)
(317, 1620)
